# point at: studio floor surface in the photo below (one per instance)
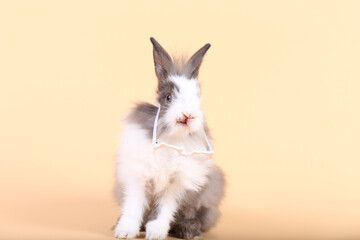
(50, 215)
(63, 214)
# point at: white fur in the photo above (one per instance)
(138, 167)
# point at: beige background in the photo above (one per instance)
(281, 90)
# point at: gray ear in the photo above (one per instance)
(193, 65)
(162, 60)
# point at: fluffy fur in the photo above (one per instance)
(158, 193)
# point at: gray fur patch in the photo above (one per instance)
(165, 88)
(144, 115)
(203, 205)
(187, 228)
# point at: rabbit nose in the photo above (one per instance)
(186, 118)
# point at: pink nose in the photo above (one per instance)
(186, 118)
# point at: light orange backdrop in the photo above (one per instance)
(281, 92)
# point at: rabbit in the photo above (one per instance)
(160, 194)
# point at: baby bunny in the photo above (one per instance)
(166, 178)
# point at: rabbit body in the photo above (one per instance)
(160, 193)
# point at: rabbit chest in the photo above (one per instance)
(184, 172)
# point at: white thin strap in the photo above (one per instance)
(155, 125)
(207, 141)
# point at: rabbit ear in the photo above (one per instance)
(193, 65)
(162, 60)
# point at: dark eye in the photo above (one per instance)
(168, 97)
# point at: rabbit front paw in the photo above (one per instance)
(157, 230)
(126, 229)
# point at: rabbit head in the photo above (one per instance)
(178, 91)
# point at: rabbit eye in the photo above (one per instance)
(168, 98)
